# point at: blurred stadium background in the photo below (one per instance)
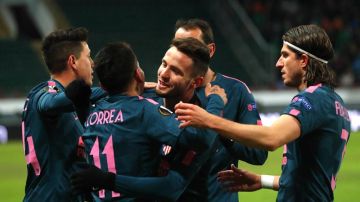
(248, 38)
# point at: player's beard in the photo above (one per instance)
(176, 93)
(296, 80)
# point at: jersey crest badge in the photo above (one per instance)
(165, 111)
(51, 88)
(166, 149)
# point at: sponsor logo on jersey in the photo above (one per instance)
(165, 111)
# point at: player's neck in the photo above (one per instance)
(171, 102)
(209, 77)
(64, 78)
(302, 86)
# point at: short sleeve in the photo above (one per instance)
(307, 109)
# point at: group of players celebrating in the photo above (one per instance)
(178, 140)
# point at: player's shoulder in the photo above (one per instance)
(43, 87)
(316, 95)
(316, 92)
(152, 106)
(231, 83)
(149, 93)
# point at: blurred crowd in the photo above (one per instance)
(340, 19)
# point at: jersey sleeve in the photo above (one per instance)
(243, 100)
(306, 108)
(215, 105)
(97, 93)
(53, 103)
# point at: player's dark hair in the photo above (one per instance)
(197, 51)
(115, 65)
(314, 40)
(207, 34)
(60, 44)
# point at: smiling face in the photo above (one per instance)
(175, 76)
(292, 68)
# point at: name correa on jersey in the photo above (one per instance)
(105, 117)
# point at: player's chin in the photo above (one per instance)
(161, 91)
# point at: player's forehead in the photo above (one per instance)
(85, 48)
(175, 58)
(286, 50)
(186, 33)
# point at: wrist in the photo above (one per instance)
(110, 181)
(212, 122)
(267, 181)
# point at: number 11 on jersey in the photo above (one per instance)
(110, 160)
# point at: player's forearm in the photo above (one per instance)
(248, 154)
(151, 187)
(251, 135)
(55, 103)
(276, 183)
(97, 93)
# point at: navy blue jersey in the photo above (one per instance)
(124, 135)
(241, 108)
(311, 162)
(50, 134)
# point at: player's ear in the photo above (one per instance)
(71, 62)
(139, 75)
(304, 61)
(198, 81)
(212, 48)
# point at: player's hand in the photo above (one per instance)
(148, 85)
(191, 115)
(215, 89)
(236, 180)
(91, 178)
(79, 93)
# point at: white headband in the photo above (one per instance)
(305, 52)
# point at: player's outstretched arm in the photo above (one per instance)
(235, 180)
(285, 129)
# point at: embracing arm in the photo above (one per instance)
(53, 103)
(285, 129)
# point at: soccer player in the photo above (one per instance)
(50, 126)
(241, 108)
(314, 128)
(125, 131)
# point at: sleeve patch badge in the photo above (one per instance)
(165, 111)
(302, 101)
(251, 107)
